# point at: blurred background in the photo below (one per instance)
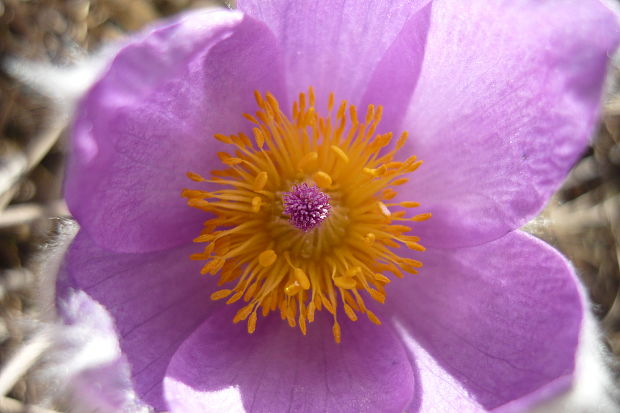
(582, 220)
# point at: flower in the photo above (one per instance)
(499, 100)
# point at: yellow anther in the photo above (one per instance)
(267, 258)
(413, 263)
(290, 316)
(345, 282)
(302, 278)
(292, 289)
(381, 141)
(370, 113)
(195, 177)
(233, 161)
(256, 203)
(258, 97)
(311, 308)
(413, 167)
(372, 317)
(422, 217)
(260, 181)
(218, 295)
(209, 248)
(327, 304)
(353, 272)
(376, 295)
(375, 171)
(350, 313)
(409, 204)
(259, 137)
(399, 181)
(223, 138)
(198, 203)
(370, 238)
(235, 297)
(393, 165)
(382, 278)
(311, 98)
(251, 118)
(341, 109)
(307, 159)
(199, 257)
(415, 246)
(204, 238)
(337, 332)
(191, 193)
(340, 153)
(223, 156)
(322, 179)
(243, 313)
(252, 323)
(353, 115)
(402, 139)
(378, 114)
(389, 194)
(273, 103)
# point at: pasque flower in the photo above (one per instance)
(330, 166)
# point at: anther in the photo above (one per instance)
(267, 257)
(322, 179)
(260, 181)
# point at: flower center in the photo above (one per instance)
(306, 206)
(303, 220)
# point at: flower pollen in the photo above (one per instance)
(306, 206)
(303, 219)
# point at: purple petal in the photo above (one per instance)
(496, 323)
(223, 368)
(151, 119)
(156, 300)
(395, 77)
(507, 99)
(334, 45)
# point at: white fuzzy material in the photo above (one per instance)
(84, 364)
(88, 355)
(65, 85)
(594, 390)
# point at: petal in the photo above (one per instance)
(395, 77)
(155, 299)
(501, 322)
(223, 368)
(151, 119)
(333, 45)
(507, 99)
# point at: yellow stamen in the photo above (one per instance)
(322, 179)
(273, 266)
(267, 258)
(260, 181)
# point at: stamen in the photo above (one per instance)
(304, 219)
(322, 179)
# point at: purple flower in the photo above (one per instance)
(499, 99)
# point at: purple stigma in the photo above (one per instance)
(306, 206)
